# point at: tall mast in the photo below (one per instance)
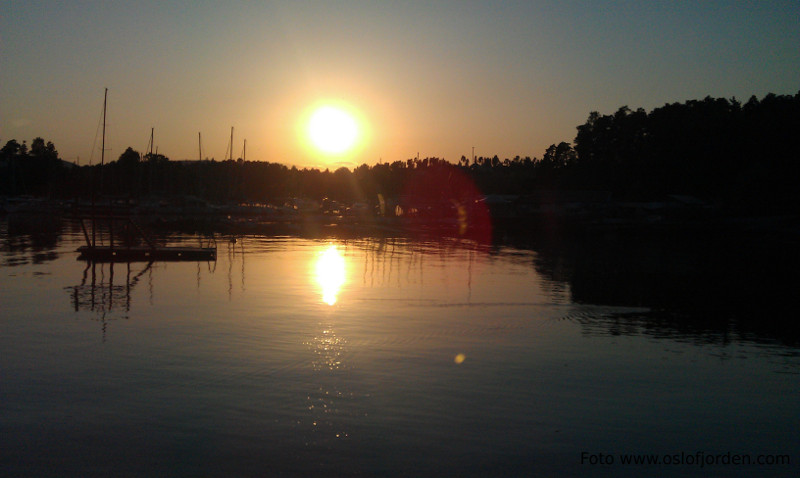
(244, 150)
(102, 160)
(199, 147)
(231, 142)
(103, 147)
(151, 142)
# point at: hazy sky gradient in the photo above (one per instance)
(509, 78)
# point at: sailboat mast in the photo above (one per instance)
(231, 143)
(103, 146)
(244, 150)
(102, 160)
(199, 147)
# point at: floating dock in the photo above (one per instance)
(115, 214)
(141, 253)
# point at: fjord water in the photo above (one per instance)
(393, 356)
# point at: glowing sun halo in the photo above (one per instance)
(332, 130)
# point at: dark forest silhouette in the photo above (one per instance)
(742, 157)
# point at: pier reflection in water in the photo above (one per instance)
(97, 291)
(386, 356)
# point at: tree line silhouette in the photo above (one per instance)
(744, 157)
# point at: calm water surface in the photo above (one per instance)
(392, 357)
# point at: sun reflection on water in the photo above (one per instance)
(330, 273)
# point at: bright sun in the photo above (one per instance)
(332, 130)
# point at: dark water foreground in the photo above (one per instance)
(401, 355)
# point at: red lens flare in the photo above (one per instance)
(442, 199)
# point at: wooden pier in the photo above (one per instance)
(120, 215)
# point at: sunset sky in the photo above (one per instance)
(434, 79)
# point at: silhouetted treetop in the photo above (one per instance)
(714, 148)
(129, 157)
